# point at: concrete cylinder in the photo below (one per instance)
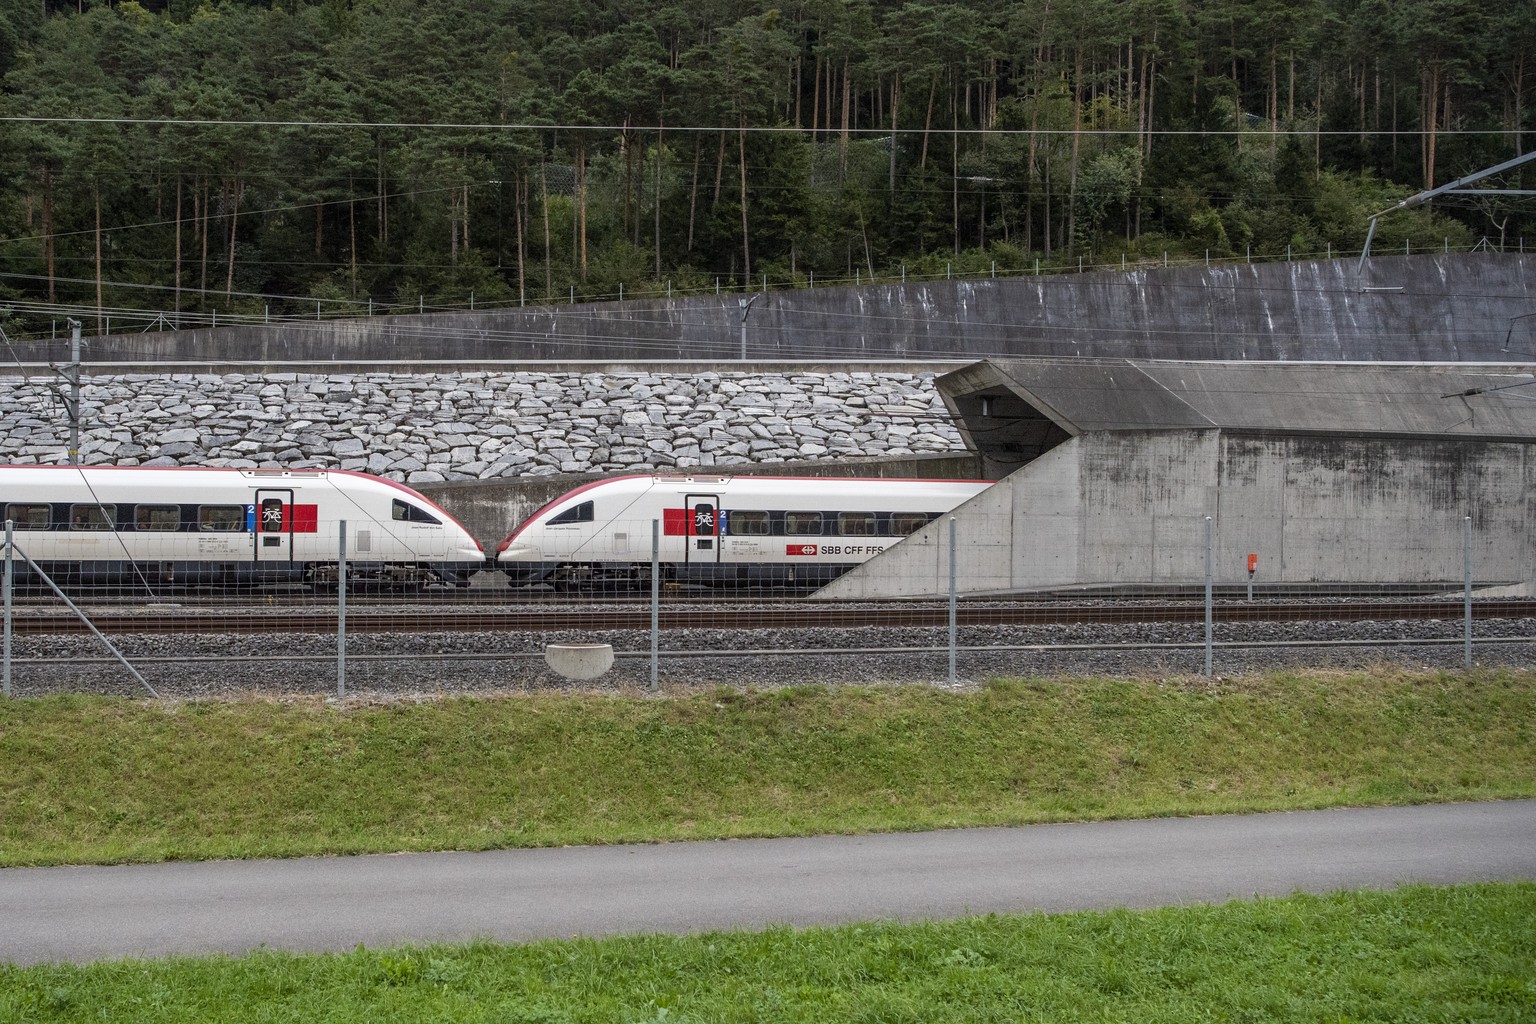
(579, 661)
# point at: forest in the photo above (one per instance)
(188, 158)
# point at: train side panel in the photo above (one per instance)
(722, 530)
(222, 527)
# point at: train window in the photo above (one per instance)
(221, 518)
(402, 511)
(905, 524)
(582, 513)
(856, 524)
(156, 517)
(747, 524)
(802, 524)
(29, 516)
(92, 516)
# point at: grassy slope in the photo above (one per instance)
(99, 780)
(1461, 953)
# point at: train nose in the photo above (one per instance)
(516, 553)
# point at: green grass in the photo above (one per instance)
(106, 780)
(1461, 953)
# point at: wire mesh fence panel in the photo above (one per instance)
(707, 589)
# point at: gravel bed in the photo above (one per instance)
(427, 664)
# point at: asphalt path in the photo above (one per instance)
(81, 914)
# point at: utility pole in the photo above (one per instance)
(746, 307)
(72, 403)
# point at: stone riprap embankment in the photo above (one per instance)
(427, 428)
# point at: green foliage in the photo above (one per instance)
(96, 779)
(1458, 953)
(383, 146)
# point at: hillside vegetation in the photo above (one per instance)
(330, 158)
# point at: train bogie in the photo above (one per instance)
(213, 527)
(721, 531)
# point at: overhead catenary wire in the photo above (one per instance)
(836, 131)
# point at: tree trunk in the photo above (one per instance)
(954, 163)
(581, 206)
(96, 193)
(847, 100)
(48, 228)
(693, 189)
(234, 223)
(656, 201)
(933, 90)
(176, 293)
(746, 251)
(549, 280)
(816, 99)
(797, 87)
(1077, 135)
(202, 223)
(895, 106)
(383, 202)
(519, 197)
(719, 172)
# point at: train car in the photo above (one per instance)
(209, 527)
(721, 531)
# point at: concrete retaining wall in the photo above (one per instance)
(1118, 510)
(1443, 307)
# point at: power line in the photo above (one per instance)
(1253, 133)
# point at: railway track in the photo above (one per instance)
(167, 619)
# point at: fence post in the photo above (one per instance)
(953, 603)
(9, 527)
(655, 601)
(1466, 589)
(341, 612)
(1208, 613)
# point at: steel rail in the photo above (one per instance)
(1039, 648)
(158, 621)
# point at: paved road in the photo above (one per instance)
(335, 903)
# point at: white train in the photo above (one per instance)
(150, 527)
(733, 531)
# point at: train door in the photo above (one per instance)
(273, 526)
(703, 529)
